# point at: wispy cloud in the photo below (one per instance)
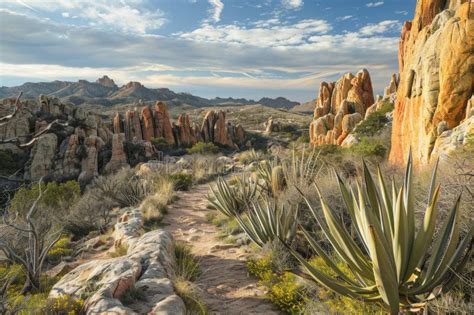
(216, 10)
(265, 33)
(374, 4)
(344, 18)
(130, 16)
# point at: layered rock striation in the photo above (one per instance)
(436, 78)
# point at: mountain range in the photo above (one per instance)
(105, 92)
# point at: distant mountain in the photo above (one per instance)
(105, 92)
(279, 102)
(307, 107)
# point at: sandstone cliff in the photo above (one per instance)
(436, 61)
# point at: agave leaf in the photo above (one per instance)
(409, 206)
(327, 260)
(424, 235)
(447, 239)
(387, 208)
(400, 239)
(371, 191)
(384, 272)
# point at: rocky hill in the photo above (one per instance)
(105, 92)
(436, 81)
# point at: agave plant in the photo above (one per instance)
(391, 259)
(232, 200)
(268, 222)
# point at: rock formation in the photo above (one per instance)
(147, 127)
(42, 156)
(148, 266)
(271, 126)
(162, 123)
(436, 77)
(214, 128)
(340, 106)
(119, 158)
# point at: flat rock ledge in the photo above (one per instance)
(148, 267)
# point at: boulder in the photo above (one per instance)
(89, 165)
(117, 123)
(392, 86)
(361, 92)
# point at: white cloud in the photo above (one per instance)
(374, 4)
(292, 4)
(266, 33)
(401, 12)
(380, 28)
(126, 16)
(216, 10)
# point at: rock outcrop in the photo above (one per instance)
(119, 158)
(163, 127)
(339, 107)
(436, 77)
(42, 156)
(148, 266)
(214, 128)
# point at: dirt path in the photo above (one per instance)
(226, 287)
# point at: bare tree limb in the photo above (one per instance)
(17, 108)
(35, 136)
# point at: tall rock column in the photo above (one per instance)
(147, 122)
(162, 123)
(436, 76)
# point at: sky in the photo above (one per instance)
(210, 48)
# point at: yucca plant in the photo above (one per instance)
(267, 221)
(301, 170)
(392, 261)
(232, 200)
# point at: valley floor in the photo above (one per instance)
(227, 289)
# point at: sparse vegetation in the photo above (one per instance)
(203, 148)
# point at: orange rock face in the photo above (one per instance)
(147, 124)
(338, 103)
(162, 123)
(436, 76)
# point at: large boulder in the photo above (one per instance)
(436, 77)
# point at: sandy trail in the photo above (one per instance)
(226, 287)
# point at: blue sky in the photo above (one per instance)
(210, 48)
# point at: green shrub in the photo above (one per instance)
(203, 148)
(161, 144)
(182, 182)
(288, 294)
(59, 197)
(327, 149)
(303, 139)
(60, 248)
(11, 162)
(338, 303)
(119, 251)
(187, 266)
(63, 305)
(132, 295)
(283, 290)
(374, 123)
(367, 147)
